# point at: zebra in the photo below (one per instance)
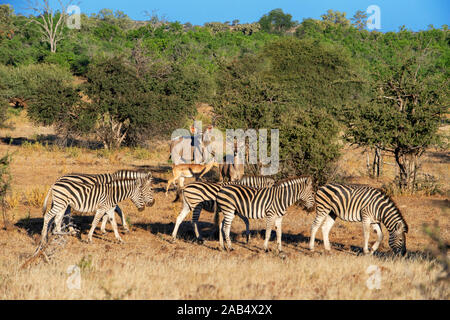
(99, 197)
(359, 203)
(202, 195)
(269, 203)
(101, 178)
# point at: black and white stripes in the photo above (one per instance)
(202, 195)
(86, 193)
(269, 203)
(92, 179)
(359, 203)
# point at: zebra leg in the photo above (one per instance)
(221, 245)
(278, 221)
(112, 219)
(72, 231)
(58, 220)
(181, 216)
(195, 216)
(269, 222)
(377, 229)
(104, 220)
(98, 215)
(366, 233)
(314, 227)
(48, 217)
(247, 227)
(326, 227)
(228, 219)
(122, 216)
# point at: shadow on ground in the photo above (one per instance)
(298, 242)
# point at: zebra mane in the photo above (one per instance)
(125, 174)
(288, 181)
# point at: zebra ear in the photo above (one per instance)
(401, 227)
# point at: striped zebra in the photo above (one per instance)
(101, 198)
(359, 203)
(202, 195)
(91, 179)
(269, 203)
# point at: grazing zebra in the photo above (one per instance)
(269, 203)
(99, 197)
(91, 179)
(359, 203)
(202, 195)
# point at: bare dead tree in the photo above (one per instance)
(50, 24)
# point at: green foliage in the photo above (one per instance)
(406, 100)
(6, 26)
(146, 78)
(336, 17)
(24, 81)
(359, 20)
(276, 21)
(131, 106)
(293, 86)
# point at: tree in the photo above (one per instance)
(406, 102)
(294, 86)
(132, 105)
(6, 26)
(51, 24)
(276, 21)
(114, 91)
(359, 20)
(335, 17)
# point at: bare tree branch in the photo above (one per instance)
(52, 31)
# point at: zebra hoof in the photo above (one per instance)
(200, 241)
(173, 240)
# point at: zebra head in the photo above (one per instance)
(144, 195)
(307, 195)
(397, 238)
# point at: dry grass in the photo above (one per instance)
(148, 266)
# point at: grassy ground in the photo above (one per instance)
(148, 266)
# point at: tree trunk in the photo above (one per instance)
(408, 166)
(377, 162)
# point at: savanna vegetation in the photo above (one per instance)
(351, 105)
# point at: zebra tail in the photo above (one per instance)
(179, 191)
(177, 196)
(44, 209)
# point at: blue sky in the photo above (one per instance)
(414, 14)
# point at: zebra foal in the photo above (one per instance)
(363, 204)
(101, 198)
(202, 195)
(269, 203)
